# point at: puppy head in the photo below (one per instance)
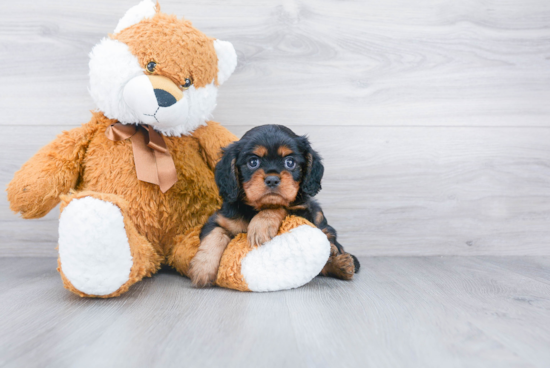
(269, 167)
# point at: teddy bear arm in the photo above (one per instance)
(212, 137)
(52, 171)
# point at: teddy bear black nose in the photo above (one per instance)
(164, 99)
(272, 181)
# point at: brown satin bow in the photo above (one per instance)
(154, 164)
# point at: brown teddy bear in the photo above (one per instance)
(136, 182)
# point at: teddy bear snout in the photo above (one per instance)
(166, 91)
(156, 100)
(164, 99)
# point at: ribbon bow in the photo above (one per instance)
(154, 164)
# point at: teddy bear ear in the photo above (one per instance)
(227, 59)
(134, 15)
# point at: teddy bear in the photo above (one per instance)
(136, 182)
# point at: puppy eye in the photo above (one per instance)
(290, 163)
(188, 83)
(151, 66)
(253, 163)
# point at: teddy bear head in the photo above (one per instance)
(159, 70)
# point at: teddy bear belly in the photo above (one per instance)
(109, 168)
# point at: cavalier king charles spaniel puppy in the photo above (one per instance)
(268, 174)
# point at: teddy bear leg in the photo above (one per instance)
(101, 254)
(289, 260)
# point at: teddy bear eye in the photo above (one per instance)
(188, 83)
(253, 163)
(151, 66)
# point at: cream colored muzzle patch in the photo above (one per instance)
(157, 101)
(162, 83)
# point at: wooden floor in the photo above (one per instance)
(398, 312)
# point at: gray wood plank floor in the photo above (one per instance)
(398, 312)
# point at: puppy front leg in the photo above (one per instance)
(203, 268)
(265, 225)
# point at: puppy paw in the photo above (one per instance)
(264, 226)
(203, 271)
(260, 232)
(341, 266)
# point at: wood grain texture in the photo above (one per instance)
(317, 62)
(432, 116)
(388, 191)
(399, 311)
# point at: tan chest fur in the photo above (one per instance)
(108, 167)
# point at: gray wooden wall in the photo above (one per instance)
(433, 116)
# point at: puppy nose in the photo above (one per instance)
(164, 99)
(272, 181)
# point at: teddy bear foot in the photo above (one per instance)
(291, 259)
(93, 246)
(288, 261)
(100, 252)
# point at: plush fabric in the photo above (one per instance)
(115, 229)
(175, 45)
(180, 51)
(289, 260)
(97, 267)
(93, 246)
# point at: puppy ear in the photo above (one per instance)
(227, 175)
(314, 169)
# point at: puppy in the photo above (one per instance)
(269, 174)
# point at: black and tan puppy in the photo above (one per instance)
(269, 174)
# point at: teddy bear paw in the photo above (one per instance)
(93, 246)
(287, 261)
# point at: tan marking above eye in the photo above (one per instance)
(260, 151)
(284, 151)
